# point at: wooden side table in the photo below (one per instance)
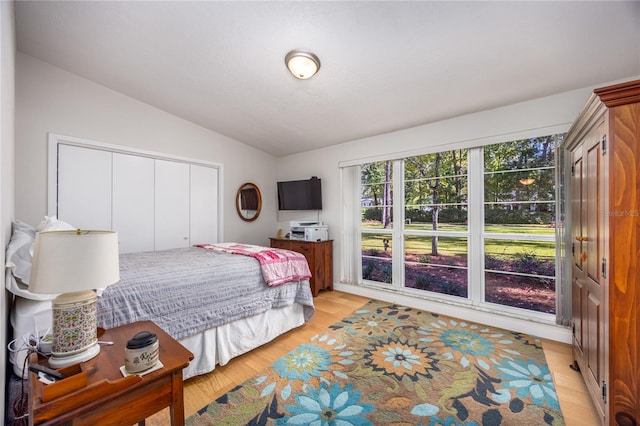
(110, 399)
(319, 255)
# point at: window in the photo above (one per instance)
(435, 230)
(377, 225)
(519, 224)
(475, 225)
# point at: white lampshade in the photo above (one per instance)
(72, 264)
(302, 64)
(71, 261)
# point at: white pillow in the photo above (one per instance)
(51, 223)
(19, 255)
(20, 251)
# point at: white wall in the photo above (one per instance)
(7, 76)
(552, 114)
(49, 99)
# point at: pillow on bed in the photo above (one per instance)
(19, 254)
(51, 223)
(20, 250)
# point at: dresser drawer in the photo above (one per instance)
(305, 249)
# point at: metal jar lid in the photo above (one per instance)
(142, 339)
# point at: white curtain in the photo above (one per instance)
(350, 238)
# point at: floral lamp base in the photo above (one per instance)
(75, 332)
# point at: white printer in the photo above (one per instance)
(308, 231)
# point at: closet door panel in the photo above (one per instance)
(133, 202)
(172, 204)
(204, 205)
(84, 187)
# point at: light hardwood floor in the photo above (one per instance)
(332, 306)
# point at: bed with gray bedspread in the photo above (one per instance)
(189, 290)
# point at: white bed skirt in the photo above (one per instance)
(217, 345)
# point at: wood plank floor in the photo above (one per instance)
(332, 306)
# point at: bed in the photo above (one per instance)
(217, 304)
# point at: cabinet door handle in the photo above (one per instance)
(581, 238)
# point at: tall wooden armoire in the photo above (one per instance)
(603, 148)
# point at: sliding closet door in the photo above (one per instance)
(84, 187)
(154, 202)
(204, 205)
(133, 202)
(172, 204)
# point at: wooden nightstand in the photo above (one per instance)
(108, 398)
(319, 255)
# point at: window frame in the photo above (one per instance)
(475, 234)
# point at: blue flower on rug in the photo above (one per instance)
(530, 378)
(331, 407)
(468, 343)
(303, 362)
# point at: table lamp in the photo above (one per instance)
(73, 264)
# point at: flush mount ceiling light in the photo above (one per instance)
(302, 64)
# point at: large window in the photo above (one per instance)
(377, 224)
(519, 224)
(435, 231)
(475, 225)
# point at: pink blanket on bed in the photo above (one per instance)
(279, 266)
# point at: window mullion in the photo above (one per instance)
(398, 223)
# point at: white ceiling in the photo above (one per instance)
(385, 65)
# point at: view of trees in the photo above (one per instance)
(519, 204)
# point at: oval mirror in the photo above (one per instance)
(248, 202)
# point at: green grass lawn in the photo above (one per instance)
(458, 245)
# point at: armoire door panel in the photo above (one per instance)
(576, 209)
(587, 222)
(84, 187)
(576, 305)
(133, 202)
(593, 210)
(594, 354)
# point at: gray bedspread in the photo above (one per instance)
(186, 291)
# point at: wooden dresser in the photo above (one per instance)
(319, 255)
(603, 148)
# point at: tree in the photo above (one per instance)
(386, 203)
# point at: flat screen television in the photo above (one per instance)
(300, 194)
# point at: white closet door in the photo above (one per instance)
(133, 202)
(172, 204)
(84, 187)
(204, 205)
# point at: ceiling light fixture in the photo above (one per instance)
(302, 64)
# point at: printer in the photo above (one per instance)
(308, 231)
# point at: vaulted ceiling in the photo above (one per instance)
(385, 65)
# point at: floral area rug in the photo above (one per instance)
(394, 365)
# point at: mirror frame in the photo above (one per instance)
(245, 186)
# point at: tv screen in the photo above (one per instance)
(300, 195)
